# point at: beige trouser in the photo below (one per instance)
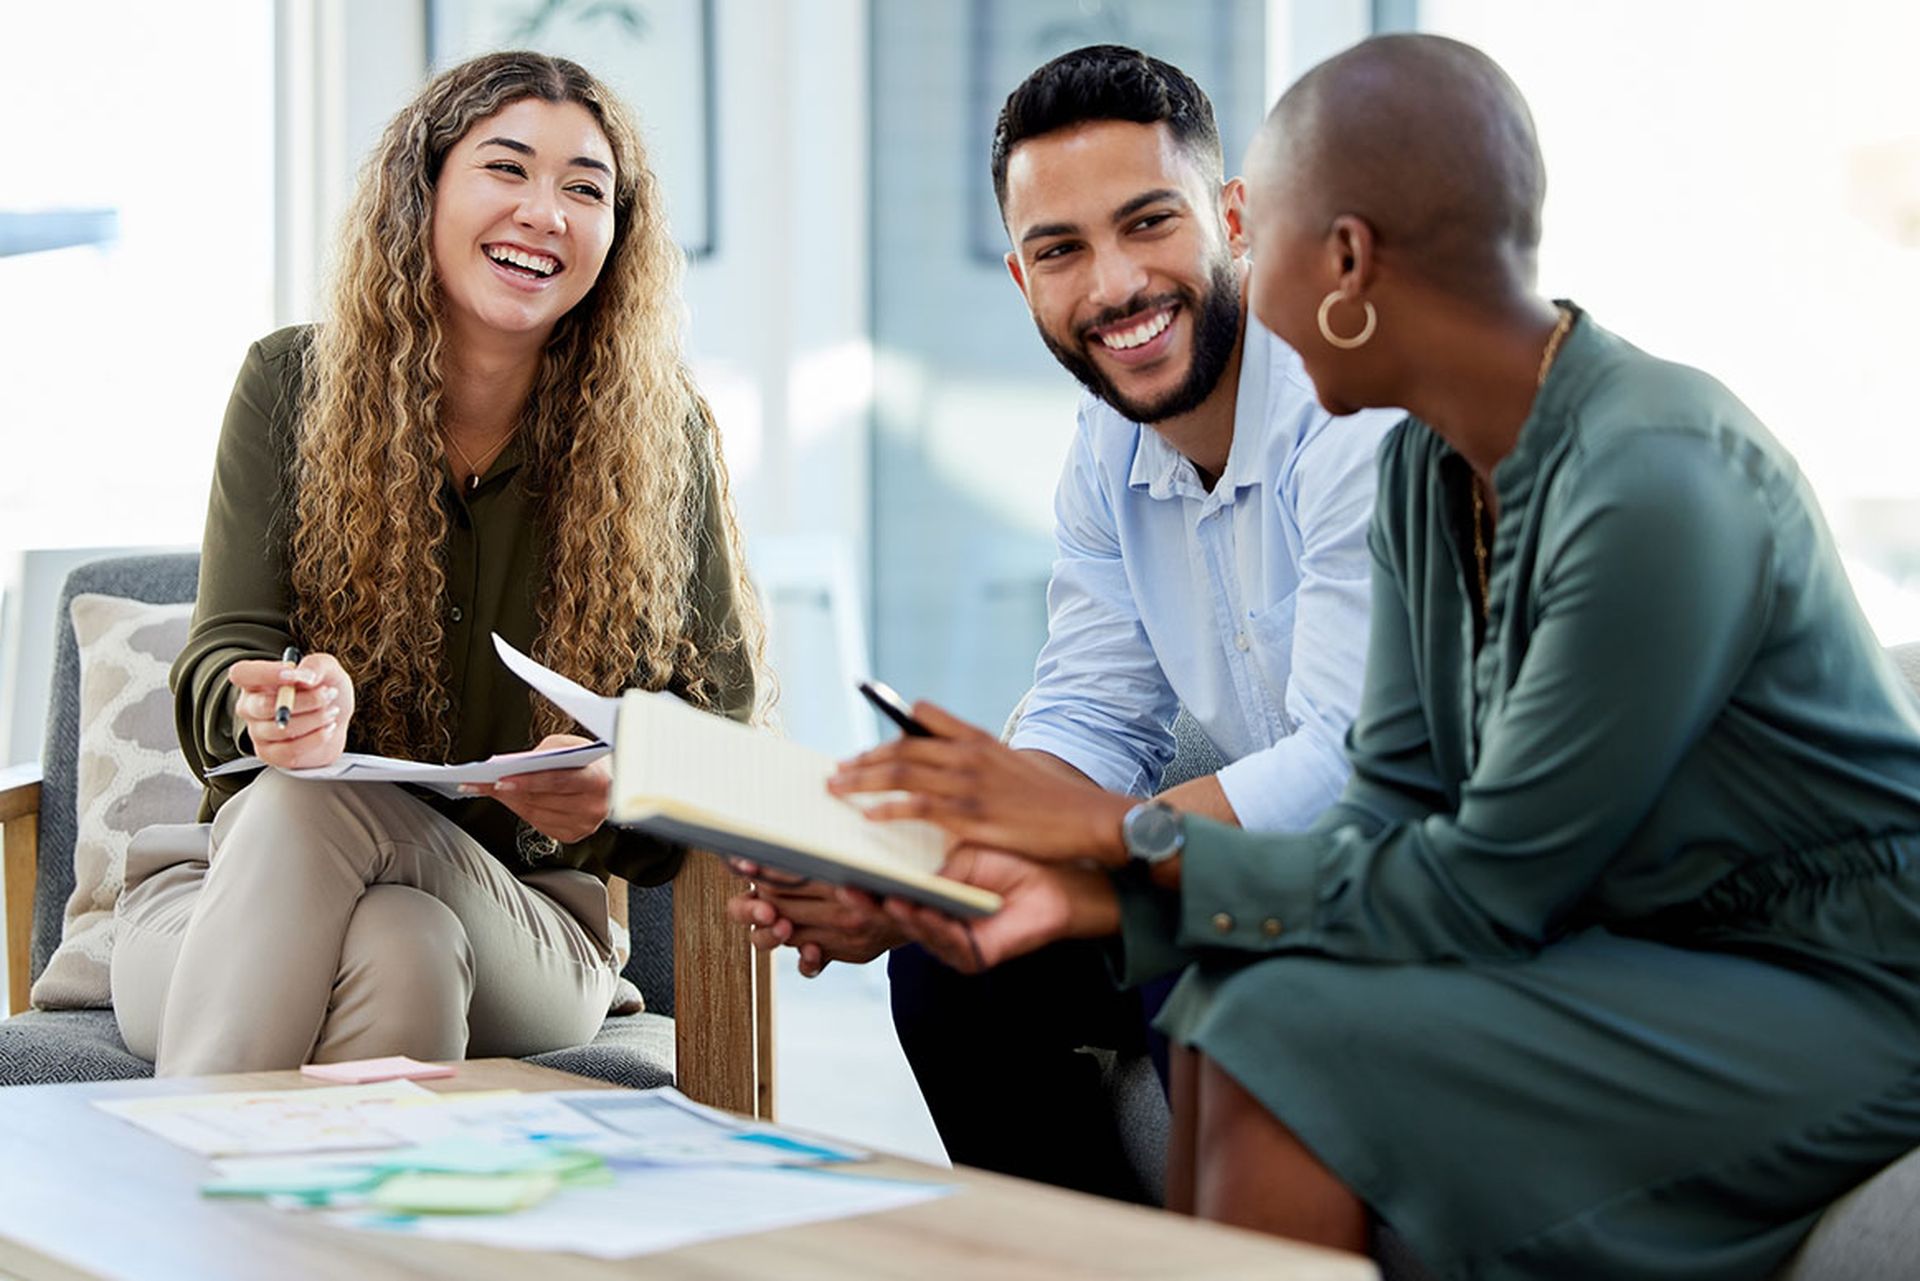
(337, 921)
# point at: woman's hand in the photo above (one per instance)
(821, 922)
(567, 804)
(1044, 903)
(322, 705)
(985, 793)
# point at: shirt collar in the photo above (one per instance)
(503, 465)
(1582, 357)
(1246, 457)
(1158, 467)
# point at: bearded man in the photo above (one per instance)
(1211, 524)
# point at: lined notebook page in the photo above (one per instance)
(674, 760)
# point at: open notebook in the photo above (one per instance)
(701, 779)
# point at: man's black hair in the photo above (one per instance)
(1106, 82)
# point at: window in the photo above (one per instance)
(146, 135)
(1736, 185)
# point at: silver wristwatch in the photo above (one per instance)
(1152, 832)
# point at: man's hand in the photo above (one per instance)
(1044, 903)
(322, 705)
(567, 804)
(985, 793)
(824, 924)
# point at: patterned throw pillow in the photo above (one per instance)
(131, 774)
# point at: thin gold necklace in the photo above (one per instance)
(1479, 504)
(473, 469)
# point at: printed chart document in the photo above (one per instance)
(595, 714)
(707, 781)
(328, 1119)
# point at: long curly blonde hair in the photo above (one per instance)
(619, 448)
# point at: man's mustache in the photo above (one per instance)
(1133, 307)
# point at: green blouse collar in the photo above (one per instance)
(1581, 356)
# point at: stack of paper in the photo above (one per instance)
(595, 714)
(613, 1173)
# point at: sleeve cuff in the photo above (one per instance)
(226, 713)
(1245, 891)
(1149, 919)
(1286, 787)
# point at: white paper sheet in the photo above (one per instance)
(499, 1116)
(665, 1127)
(359, 767)
(595, 713)
(626, 1127)
(330, 1119)
(647, 1211)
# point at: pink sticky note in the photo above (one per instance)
(398, 1067)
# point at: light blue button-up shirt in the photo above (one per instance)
(1247, 603)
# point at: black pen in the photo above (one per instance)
(283, 699)
(894, 708)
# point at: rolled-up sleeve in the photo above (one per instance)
(1100, 700)
(1285, 787)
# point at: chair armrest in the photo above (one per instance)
(722, 996)
(20, 817)
(617, 900)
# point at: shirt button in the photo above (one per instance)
(455, 614)
(1270, 927)
(1223, 922)
(1240, 642)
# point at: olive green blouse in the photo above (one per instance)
(1677, 708)
(495, 556)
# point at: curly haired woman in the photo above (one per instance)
(495, 432)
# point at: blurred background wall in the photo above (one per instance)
(1733, 182)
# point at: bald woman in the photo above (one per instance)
(1607, 964)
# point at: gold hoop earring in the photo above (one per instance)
(1345, 344)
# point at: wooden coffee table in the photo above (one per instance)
(84, 1195)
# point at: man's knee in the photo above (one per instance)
(927, 996)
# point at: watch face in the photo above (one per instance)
(1153, 832)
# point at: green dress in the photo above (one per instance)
(1607, 962)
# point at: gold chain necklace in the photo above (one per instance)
(1479, 504)
(473, 469)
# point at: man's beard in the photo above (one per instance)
(1216, 328)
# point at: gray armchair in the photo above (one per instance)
(707, 1026)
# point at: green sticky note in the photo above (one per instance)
(315, 1184)
(596, 1175)
(462, 1155)
(414, 1192)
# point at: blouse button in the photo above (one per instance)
(1223, 922)
(1241, 643)
(455, 614)
(1270, 927)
